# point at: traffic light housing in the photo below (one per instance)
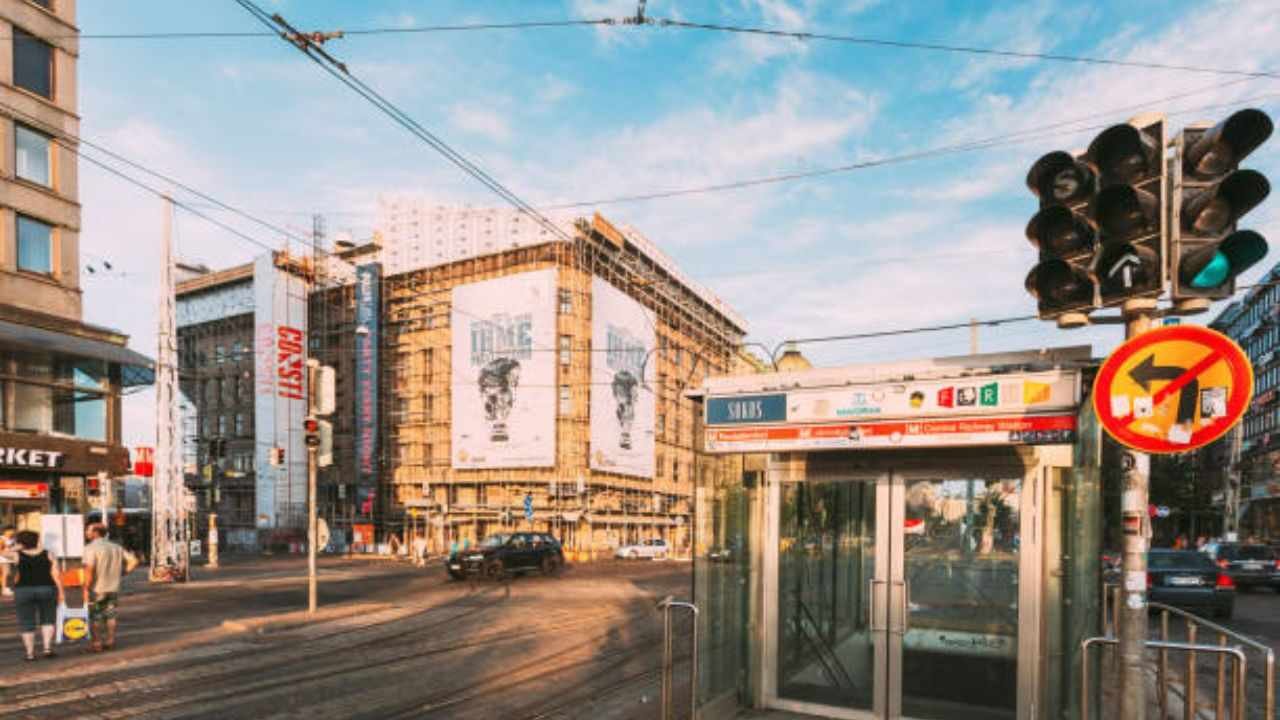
(1210, 195)
(1100, 229)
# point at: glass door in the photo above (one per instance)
(827, 631)
(954, 611)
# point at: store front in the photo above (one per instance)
(901, 555)
(40, 475)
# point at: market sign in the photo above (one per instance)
(30, 459)
(14, 490)
(1173, 389)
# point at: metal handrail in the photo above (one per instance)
(1111, 603)
(668, 661)
(1239, 671)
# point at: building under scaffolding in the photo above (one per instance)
(591, 438)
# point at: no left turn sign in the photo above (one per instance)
(1173, 389)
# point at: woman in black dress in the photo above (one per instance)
(37, 592)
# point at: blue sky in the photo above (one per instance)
(564, 115)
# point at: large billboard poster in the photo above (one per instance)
(368, 313)
(622, 370)
(504, 372)
(280, 399)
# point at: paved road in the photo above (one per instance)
(390, 641)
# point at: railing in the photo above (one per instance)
(1192, 626)
(1239, 674)
(668, 660)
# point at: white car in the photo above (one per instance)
(652, 549)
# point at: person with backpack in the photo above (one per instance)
(37, 592)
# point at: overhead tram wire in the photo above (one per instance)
(412, 30)
(1011, 138)
(314, 52)
(963, 49)
(14, 113)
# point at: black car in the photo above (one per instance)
(1189, 580)
(1249, 565)
(506, 553)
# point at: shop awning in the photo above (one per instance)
(136, 369)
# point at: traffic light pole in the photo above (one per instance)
(312, 530)
(1132, 613)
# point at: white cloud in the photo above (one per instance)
(480, 121)
(554, 88)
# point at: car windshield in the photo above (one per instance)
(494, 541)
(1188, 560)
(1248, 552)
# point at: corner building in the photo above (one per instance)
(60, 378)
(536, 379)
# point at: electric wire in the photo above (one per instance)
(339, 71)
(962, 49)
(411, 30)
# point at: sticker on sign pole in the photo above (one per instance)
(1173, 389)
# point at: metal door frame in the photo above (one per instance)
(878, 627)
(888, 600)
(1030, 555)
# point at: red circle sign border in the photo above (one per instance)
(1237, 403)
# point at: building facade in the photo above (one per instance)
(60, 379)
(1246, 463)
(537, 379)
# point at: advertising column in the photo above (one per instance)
(280, 400)
(368, 311)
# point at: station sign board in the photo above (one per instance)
(1173, 389)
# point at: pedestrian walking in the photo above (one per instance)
(37, 592)
(104, 565)
(8, 556)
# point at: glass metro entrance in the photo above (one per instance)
(895, 594)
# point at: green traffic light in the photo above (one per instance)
(1213, 274)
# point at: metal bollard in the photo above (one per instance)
(668, 661)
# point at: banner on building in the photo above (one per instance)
(504, 372)
(368, 315)
(622, 391)
(280, 397)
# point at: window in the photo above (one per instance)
(428, 411)
(566, 302)
(32, 63)
(243, 462)
(244, 389)
(566, 400)
(242, 425)
(31, 155)
(35, 245)
(220, 354)
(566, 349)
(222, 426)
(211, 392)
(237, 351)
(662, 424)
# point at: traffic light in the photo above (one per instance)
(323, 384)
(311, 427)
(1099, 229)
(1210, 196)
(275, 456)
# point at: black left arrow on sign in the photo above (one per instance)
(1146, 372)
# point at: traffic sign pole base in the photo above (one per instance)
(1067, 321)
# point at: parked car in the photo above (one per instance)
(1188, 579)
(507, 553)
(654, 549)
(1249, 565)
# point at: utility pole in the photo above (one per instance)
(312, 531)
(1231, 494)
(321, 390)
(169, 547)
(1135, 484)
(973, 336)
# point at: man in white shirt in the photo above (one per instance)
(104, 567)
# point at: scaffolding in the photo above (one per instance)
(588, 509)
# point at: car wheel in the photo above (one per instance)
(633, 555)
(493, 570)
(550, 565)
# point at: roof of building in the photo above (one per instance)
(215, 278)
